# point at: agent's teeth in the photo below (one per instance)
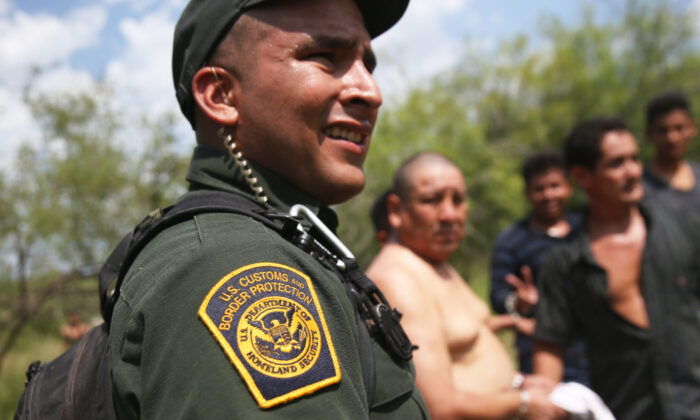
(338, 132)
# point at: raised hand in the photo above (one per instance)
(526, 292)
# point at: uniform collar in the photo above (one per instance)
(212, 168)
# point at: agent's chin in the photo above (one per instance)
(342, 189)
(344, 193)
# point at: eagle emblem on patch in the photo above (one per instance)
(268, 320)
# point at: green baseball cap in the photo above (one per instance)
(204, 23)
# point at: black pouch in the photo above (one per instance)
(76, 385)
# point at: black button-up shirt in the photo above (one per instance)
(640, 373)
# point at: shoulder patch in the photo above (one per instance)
(268, 320)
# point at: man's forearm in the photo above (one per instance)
(548, 361)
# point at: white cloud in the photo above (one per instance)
(141, 6)
(63, 79)
(16, 126)
(43, 40)
(135, 5)
(143, 73)
(175, 6)
(142, 76)
(419, 45)
(4, 6)
(455, 5)
(429, 8)
(694, 9)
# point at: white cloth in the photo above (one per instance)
(580, 402)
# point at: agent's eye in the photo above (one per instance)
(322, 56)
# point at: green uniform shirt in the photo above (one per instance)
(170, 353)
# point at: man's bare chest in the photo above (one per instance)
(622, 262)
(462, 313)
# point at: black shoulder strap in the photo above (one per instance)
(115, 268)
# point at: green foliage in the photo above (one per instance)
(70, 197)
(495, 108)
(160, 167)
(73, 173)
(80, 189)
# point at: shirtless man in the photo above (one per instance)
(670, 128)
(641, 335)
(463, 370)
(74, 330)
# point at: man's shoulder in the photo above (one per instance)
(216, 232)
(396, 266)
(397, 257)
(199, 251)
(515, 233)
(563, 254)
(673, 217)
(651, 181)
(575, 219)
(663, 210)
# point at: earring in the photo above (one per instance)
(242, 164)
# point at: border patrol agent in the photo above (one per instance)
(220, 316)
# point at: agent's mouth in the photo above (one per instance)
(345, 134)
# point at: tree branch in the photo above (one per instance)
(26, 310)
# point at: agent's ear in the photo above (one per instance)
(213, 90)
(393, 208)
(581, 176)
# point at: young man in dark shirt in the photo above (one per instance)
(671, 128)
(519, 249)
(628, 282)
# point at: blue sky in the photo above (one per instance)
(128, 43)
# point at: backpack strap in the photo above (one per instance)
(118, 263)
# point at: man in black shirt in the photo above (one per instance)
(630, 283)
